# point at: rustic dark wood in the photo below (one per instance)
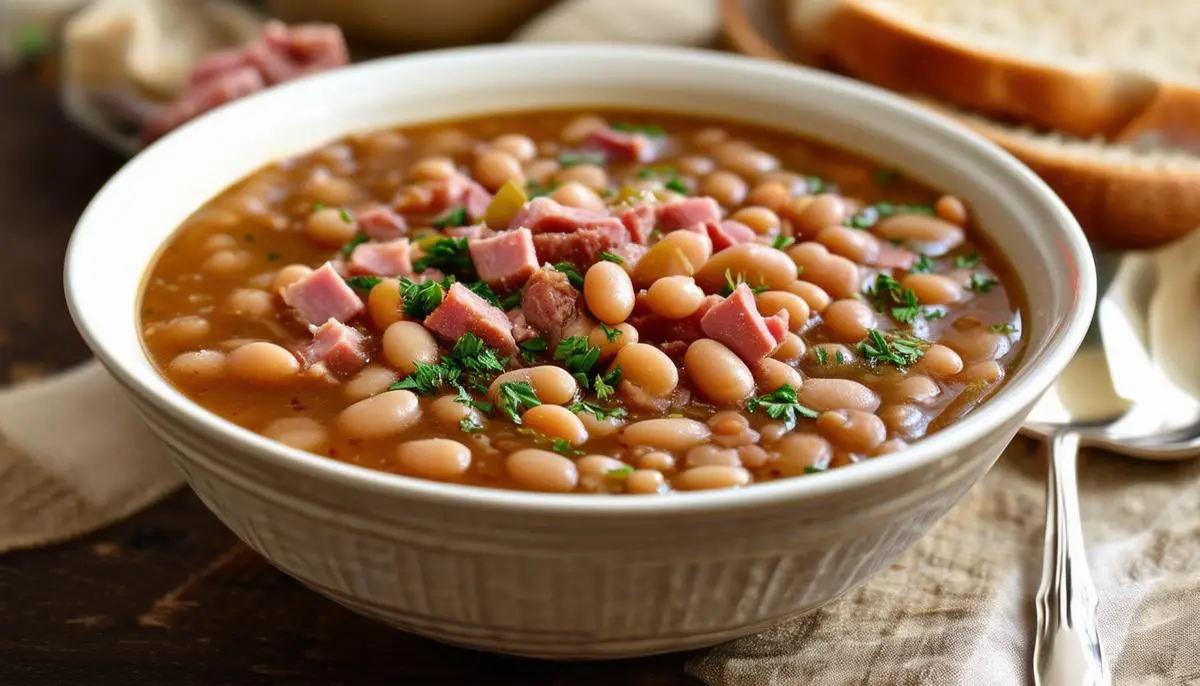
(170, 596)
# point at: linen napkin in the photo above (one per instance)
(955, 610)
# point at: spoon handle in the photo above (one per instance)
(1066, 649)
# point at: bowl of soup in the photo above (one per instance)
(579, 352)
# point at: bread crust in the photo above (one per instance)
(876, 48)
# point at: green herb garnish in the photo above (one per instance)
(813, 469)
(455, 217)
(572, 274)
(968, 261)
(345, 215)
(511, 300)
(428, 379)
(606, 384)
(620, 473)
(578, 356)
(839, 357)
(981, 284)
(887, 294)
(464, 397)
(814, 184)
(923, 265)
(822, 356)
(782, 242)
(598, 411)
(871, 214)
(475, 357)
(780, 404)
(1002, 328)
(537, 190)
(611, 334)
(933, 313)
(611, 257)
(574, 159)
(732, 282)
(363, 283)
(420, 298)
(563, 447)
(318, 206)
(899, 350)
(448, 255)
(677, 185)
(514, 396)
(484, 291)
(470, 424)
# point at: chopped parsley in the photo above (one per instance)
(514, 396)
(652, 130)
(611, 257)
(564, 447)
(348, 249)
(578, 356)
(731, 284)
(782, 242)
(609, 333)
(923, 265)
(470, 424)
(822, 356)
(598, 411)
(839, 357)
(574, 159)
(1002, 328)
(530, 349)
(455, 217)
(606, 384)
(428, 379)
(538, 190)
(619, 473)
(677, 185)
(981, 284)
(780, 404)
(885, 177)
(273, 257)
(363, 283)
(814, 184)
(345, 215)
(511, 300)
(318, 206)
(968, 261)
(814, 469)
(475, 357)
(572, 274)
(899, 350)
(667, 174)
(464, 397)
(420, 298)
(448, 255)
(886, 294)
(871, 214)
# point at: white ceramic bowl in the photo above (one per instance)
(565, 576)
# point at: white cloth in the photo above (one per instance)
(955, 610)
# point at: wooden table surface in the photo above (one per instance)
(170, 596)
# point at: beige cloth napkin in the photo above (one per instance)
(954, 610)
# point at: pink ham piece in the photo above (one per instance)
(521, 329)
(728, 233)
(639, 221)
(285, 53)
(380, 223)
(392, 258)
(442, 195)
(463, 312)
(624, 146)
(340, 348)
(214, 91)
(687, 212)
(543, 215)
(322, 295)
(472, 231)
(581, 248)
(655, 328)
(631, 253)
(549, 301)
(505, 260)
(737, 323)
(894, 257)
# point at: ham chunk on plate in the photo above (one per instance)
(729, 233)
(321, 296)
(340, 348)
(380, 223)
(505, 260)
(393, 258)
(463, 312)
(737, 323)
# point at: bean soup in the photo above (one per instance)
(592, 302)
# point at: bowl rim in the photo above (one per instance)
(1015, 396)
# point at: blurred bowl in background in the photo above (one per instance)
(414, 23)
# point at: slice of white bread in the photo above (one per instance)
(1133, 194)
(1113, 68)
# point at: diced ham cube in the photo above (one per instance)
(737, 323)
(777, 324)
(441, 195)
(549, 301)
(323, 295)
(463, 312)
(380, 223)
(543, 215)
(340, 348)
(687, 212)
(392, 258)
(728, 233)
(285, 53)
(655, 328)
(505, 260)
(640, 222)
(624, 146)
(581, 248)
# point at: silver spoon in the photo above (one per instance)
(1113, 395)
